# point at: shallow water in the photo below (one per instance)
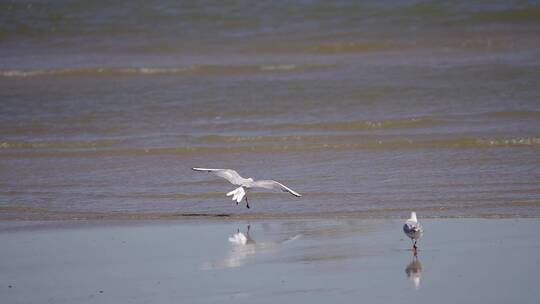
(463, 260)
(367, 109)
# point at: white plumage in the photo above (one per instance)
(413, 229)
(238, 194)
(246, 183)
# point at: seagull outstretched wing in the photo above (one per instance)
(232, 176)
(270, 184)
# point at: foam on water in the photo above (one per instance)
(149, 71)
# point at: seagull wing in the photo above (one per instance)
(270, 184)
(412, 227)
(232, 176)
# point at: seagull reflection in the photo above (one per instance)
(414, 271)
(244, 248)
(240, 238)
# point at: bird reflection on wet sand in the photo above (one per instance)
(414, 271)
(245, 248)
(240, 238)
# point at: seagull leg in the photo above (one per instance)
(247, 203)
(414, 248)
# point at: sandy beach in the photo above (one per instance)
(287, 261)
(369, 110)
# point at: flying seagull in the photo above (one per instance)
(413, 229)
(246, 183)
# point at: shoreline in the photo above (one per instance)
(14, 225)
(175, 216)
(22, 213)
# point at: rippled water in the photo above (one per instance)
(369, 109)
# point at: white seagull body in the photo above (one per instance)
(413, 229)
(246, 183)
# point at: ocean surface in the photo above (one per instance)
(368, 109)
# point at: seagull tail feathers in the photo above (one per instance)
(237, 194)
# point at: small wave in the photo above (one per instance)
(519, 141)
(384, 144)
(415, 11)
(364, 125)
(360, 125)
(58, 144)
(92, 71)
(263, 138)
(357, 47)
(512, 114)
(281, 67)
(149, 71)
(521, 15)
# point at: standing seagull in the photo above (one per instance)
(413, 230)
(245, 183)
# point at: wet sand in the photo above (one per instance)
(301, 260)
